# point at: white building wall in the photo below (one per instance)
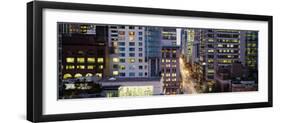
(132, 63)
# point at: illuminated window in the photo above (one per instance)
(174, 65)
(174, 79)
(174, 51)
(90, 67)
(174, 74)
(115, 44)
(89, 74)
(115, 60)
(168, 80)
(131, 60)
(69, 67)
(121, 35)
(167, 60)
(122, 67)
(210, 51)
(131, 36)
(115, 73)
(210, 60)
(80, 67)
(174, 61)
(80, 60)
(168, 74)
(168, 65)
(211, 40)
(67, 76)
(78, 75)
(91, 60)
(100, 60)
(100, 66)
(163, 60)
(211, 71)
(70, 60)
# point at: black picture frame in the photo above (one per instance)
(35, 69)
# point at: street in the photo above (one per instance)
(187, 80)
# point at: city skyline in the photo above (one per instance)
(100, 60)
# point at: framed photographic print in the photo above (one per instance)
(89, 61)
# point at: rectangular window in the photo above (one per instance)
(131, 74)
(168, 74)
(210, 51)
(70, 60)
(80, 60)
(140, 67)
(80, 67)
(91, 60)
(140, 49)
(140, 54)
(115, 66)
(115, 73)
(121, 49)
(122, 74)
(131, 43)
(131, 36)
(69, 67)
(131, 60)
(121, 43)
(100, 60)
(90, 67)
(132, 54)
(140, 43)
(115, 60)
(121, 32)
(131, 49)
(100, 66)
(122, 60)
(122, 55)
(122, 67)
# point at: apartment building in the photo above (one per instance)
(127, 51)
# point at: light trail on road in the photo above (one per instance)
(188, 84)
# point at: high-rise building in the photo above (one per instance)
(190, 45)
(170, 61)
(127, 55)
(82, 50)
(220, 48)
(170, 69)
(153, 50)
(251, 54)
